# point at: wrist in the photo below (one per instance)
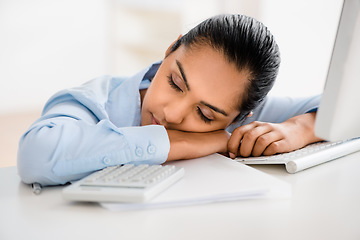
(188, 145)
(306, 124)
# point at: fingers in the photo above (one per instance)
(274, 147)
(250, 140)
(266, 143)
(255, 139)
(236, 139)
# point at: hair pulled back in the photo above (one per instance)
(245, 42)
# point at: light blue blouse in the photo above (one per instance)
(87, 128)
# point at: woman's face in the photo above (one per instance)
(195, 89)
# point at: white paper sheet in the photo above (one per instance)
(213, 178)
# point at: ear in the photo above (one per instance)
(250, 114)
(169, 48)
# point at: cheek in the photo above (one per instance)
(155, 96)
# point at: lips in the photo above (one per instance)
(154, 121)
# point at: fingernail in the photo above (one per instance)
(232, 155)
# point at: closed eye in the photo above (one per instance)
(173, 84)
(203, 117)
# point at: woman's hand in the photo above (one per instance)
(188, 145)
(259, 138)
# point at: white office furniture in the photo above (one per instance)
(325, 204)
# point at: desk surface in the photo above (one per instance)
(325, 204)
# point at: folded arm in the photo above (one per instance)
(63, 147)
(68, 143)
(188, 145)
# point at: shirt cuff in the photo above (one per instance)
(147, 144)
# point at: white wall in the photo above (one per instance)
(46, 46)
(141, 31)
(305, 31)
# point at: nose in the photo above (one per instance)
(175, 113)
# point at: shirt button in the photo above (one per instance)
(139, 152)
(151, 149)
(106, 160)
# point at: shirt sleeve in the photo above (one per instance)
(279, 109)
(70, 142)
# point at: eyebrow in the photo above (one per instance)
(216, 109)
(181, 69)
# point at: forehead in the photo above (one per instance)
(211, 77)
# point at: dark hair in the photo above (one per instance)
(245, 42)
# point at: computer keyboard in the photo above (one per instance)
(308, 156)
(124, 183)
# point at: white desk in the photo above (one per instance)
(325, 204)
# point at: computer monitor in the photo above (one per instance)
(338, 116)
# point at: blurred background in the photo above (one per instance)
(47, 45)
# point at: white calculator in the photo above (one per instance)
(124, 183)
